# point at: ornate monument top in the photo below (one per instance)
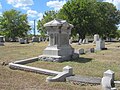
(58, 23)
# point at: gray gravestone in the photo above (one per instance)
(100, 45)
(1, 40)
(21, 41)
(59, 48)
(81, 51)
(35, 39)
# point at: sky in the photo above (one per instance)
(36, 8)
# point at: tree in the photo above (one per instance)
(90, 17)
(14, 24)
(48, 16)
(109, 18)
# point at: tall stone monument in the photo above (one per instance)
(59, 48)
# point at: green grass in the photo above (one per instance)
(90, 64)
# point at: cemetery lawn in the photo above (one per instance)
(90, 64)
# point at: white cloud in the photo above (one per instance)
(56, 4)
(20, 3)
(25, 8)
(115, 2)
(0, 5)
(34, 14)
(40, 16)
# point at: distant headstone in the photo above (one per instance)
(100, 45)
(23, 41)
(1, 40)
(92, 50)
(35, 39)
(96, 38)
(80, 41)
(84, 41)
(40, 39)
(81, 51)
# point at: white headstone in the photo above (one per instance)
(96, 38)
(84, 41)
(80, 41)
(100, 45)
(108, 80)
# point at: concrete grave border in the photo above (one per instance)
(58, 76)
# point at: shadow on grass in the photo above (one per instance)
(82, 60)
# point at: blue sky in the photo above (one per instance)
(36, 8)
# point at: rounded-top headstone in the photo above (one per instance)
(109, 73)
(96, 37)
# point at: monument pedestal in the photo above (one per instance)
(55, 53)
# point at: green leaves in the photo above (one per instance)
(48, 16)
(14, 24)
(91, 17)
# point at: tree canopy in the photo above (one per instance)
(14, 24)
(90, 17)
(48, 16)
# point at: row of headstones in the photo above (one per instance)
(25, 40)
(34, 39)
(82, 51)
(84, 41)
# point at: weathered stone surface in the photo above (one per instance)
(59, 48)
(84, 79)
(96, 38)
(80, 42)
(81, 51)
(23, 41)
(35, 39)
(108, 80)
(100, 45)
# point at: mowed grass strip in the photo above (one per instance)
(90, 64)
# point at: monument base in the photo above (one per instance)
(58, 54)
(58, 58)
